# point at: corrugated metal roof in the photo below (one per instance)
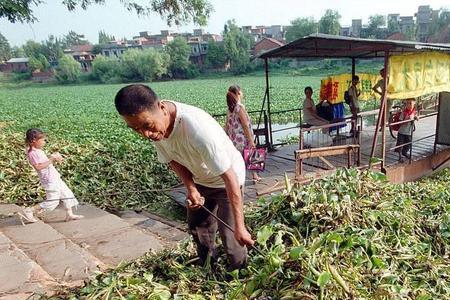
(333, 46)
(18, 60)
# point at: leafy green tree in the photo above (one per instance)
(68, 70)
(174, 11)
(39, 63)
(393, 26)
(32, 49)
(138, 65)
(301, 27)
(440, 23)
(376, 21)
(329, 23)
(105, 69)
(444, 18)
(17, 52)
(216, 56)
(18, 11)
(34, 64)
(104, 38)
(374, 29)
(73, 39)
(52, 49)
(97, 49)
(237, 45)
(410, 33)
(153, 64)
(5, 48)
(179, 52)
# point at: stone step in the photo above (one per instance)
(63, 260)
(169, 231)
(106, 236)
(66, 253)
(21, 277)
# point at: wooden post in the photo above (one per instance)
(353, 67)
(383, 129)
(299, 162)
(298, 168)
(381, 113)
(300, 146)
(266, 66)
(358, 162)
(437, 124)
(349, 158)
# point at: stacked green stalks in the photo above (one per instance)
(351, 235)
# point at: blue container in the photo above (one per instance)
(338, 113)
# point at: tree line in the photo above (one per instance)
(134, 65)
(173, 61)
(377, 28)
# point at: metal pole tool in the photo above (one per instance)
(221, 221)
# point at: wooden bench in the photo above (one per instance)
(323, 152)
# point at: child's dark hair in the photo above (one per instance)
(32, 135)
(134, 99)
(232, 96)
(355, 77)
(308, 88)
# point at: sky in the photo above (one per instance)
(114, 19)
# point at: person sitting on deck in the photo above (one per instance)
(310, 115)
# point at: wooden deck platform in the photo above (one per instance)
(281, 161)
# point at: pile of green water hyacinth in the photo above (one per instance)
(351, 235)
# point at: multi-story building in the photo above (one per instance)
(393, 18)
(117, 48)
(198, 41)
(423, 20)
(82, 54)
(199, 49)
(425, 16)
(275, 31)
(406, 25)
(345, 31)
(355, 30)
(259, 32)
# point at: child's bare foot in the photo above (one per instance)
(74, 217)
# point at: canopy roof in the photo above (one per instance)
(333, 46)
(18, 60)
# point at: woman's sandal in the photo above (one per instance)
(256, 180)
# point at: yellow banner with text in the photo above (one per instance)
(413, 75)
(332, 88)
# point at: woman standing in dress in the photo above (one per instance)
(238, 126)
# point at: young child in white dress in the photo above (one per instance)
(56, 190)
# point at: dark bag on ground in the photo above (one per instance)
(325, 111)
